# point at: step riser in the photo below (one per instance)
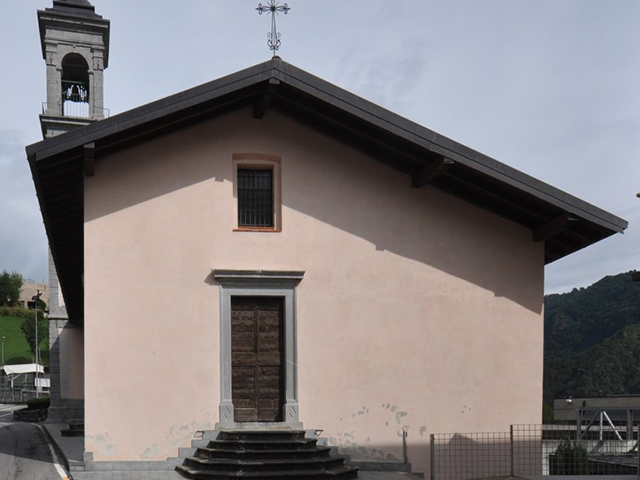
(325, 464)
(261, 454)
(244, 446)
(258, 436)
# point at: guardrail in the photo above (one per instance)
(74, 110)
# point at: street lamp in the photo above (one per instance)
(3, 351)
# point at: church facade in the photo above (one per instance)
(268, 250)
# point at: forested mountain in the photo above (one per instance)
(592, 340)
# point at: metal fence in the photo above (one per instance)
(460, 456)
(534, 450)
(565, 450)
(77, 109)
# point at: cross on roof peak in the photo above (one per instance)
(273, 8)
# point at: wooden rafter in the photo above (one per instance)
(430, 172)
(89, 158)
(265, 98)
(553, 227)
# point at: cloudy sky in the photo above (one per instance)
(550, 87)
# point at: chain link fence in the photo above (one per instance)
(564, 450)
(461, 456)
(533, 451)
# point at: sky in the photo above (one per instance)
(549, 87)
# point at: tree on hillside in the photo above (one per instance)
(28, 328)
(592, 340)
(10, 285)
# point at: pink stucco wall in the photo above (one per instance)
(417, 310)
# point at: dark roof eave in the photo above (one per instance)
(147, 113)
(446, 147)
(358, 107)
(346, 110)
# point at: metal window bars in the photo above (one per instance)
(255, 197)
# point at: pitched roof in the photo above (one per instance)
(565, 223)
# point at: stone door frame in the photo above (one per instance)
(259, 283)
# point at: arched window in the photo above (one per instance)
(75, 86)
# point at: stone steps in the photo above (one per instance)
(74, 430)
(265, 454)
(317, 452)
(342, 473)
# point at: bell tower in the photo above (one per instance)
(75, 46)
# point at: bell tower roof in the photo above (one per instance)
(74, 15)
(84, 4)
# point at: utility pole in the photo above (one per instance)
(636, 275)
(36, 340)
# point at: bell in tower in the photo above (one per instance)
(75, 46)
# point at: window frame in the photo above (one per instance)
(258, 160)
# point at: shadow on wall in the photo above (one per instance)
(415, 453)
(359, 195)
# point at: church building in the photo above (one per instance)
(268, 251)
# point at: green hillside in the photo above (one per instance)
(16, 350)
(592, 340)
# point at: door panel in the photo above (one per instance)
(257, 352)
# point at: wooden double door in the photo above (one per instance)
(257, 358)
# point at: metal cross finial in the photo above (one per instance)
(273, 8)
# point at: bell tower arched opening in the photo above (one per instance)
(75, 86)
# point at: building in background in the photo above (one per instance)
(29, 291)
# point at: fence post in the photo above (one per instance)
(511, 453)
(432, 455)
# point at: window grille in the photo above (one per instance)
(255, 197)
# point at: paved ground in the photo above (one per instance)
(175, 476)
(126, 476)
(24, 451)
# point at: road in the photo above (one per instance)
(24, 452)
